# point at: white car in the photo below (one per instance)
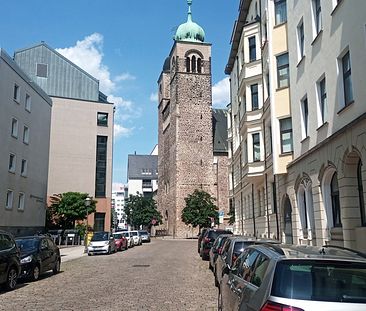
(102, 243)
(136, 237)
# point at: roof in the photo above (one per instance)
(142, 167)
(24, 76)
(219, 128)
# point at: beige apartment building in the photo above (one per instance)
(260, 127)
(81, 129)
(323, 195)
(25, 120)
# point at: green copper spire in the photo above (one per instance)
(190, 31)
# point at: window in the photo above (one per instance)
(248, 265)
(9, 199)
(21, 201)
(188, 64)
(26, 135)
(317, 10)
(261, 266)
(322, 94)
(42, 70)
(360, 194)
(300, 39)
(166, 111)
(14, 128)
(305, 117)
(102, 119)
(252, 49)
(336, 206)
(24, 168)
(347, 80)
(280, 11)
(12, 163)
(286, 135)
(199, 65)
(28, 102)
(101, 166)
(283, 71)
(5, 242)
(16, 94)
(256, 147)
(254, 94)
(193, 63)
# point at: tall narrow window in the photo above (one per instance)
(188, 64)
(252, 49)
(26, 135)
(28, 102)
(254, 94)
(256, 147)
(24, 168)
(12, 163)
(9, 199)
(101, 166)
(21, 201)
(360, 194)
(286, 135)
(280, 11)
(305, 117)
(193, 63)
(336, 206)
(347, 79)
(322, 100)
(102, 119)
(283, 70)
(300, 39)
(14, 128)
(317, 10)
(16, 95)
(199, 65)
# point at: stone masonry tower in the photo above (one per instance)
(185, 125)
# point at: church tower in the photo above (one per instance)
(185, 125)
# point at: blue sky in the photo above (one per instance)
(123, 44)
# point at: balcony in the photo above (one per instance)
(250, 70)
(250, 118)
(254, 169)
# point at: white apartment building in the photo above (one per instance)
(119, 194)
(323, 195)
(25, 121)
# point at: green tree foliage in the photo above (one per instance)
(142, 211)
(67, 208)
(200, 209)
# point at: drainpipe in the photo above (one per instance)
(268, 223)
(275, 207)
(255, 229)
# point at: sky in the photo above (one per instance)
(123, 44)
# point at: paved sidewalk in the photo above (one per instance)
(71, 253)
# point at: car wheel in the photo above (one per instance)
(11, 280)
(219, 302)
(89, 254)
(35, 273)
(57, 267)
(109, 251)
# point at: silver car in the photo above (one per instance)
(102, 243)
(292, 277)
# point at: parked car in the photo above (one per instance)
(208, 239)
(145, 236)
(9, 261)
(38, 254)
(231, 250)
(120, 240)
(216, 250)
(136, 237)
(295, 277)
(102, 242)
(128, 236)
(200, 237)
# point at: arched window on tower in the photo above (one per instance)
(194, 63)
(188, 64)
(199, 65)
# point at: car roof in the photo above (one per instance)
(31, 237)
(326, 252)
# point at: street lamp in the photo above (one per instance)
(87, 204)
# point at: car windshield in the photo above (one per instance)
(143, 232)
(134, 233)
(117, 236)
(125, 234)
(239, 246)
(27, 243)
(100, 236)
(320, 280)
(214, 234)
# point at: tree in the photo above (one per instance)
(141, 211)
(200, 209)
(67, 208)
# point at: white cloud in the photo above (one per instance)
(154, 97)
(221, 93)
(88, 55)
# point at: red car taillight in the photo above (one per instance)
(206, 240)
(219, 250)
(272, 306)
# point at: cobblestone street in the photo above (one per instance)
(161, 275)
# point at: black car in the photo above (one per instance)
(208, 240)
(38, 254)
(9, 261)
(200, 237)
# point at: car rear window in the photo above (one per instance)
(239, 246)
(320, 280)
(5, 242)
(117, 236)
(214, 234)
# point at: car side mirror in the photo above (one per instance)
(226, 270)
(111, 238)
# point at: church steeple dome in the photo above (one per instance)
(190, 31)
